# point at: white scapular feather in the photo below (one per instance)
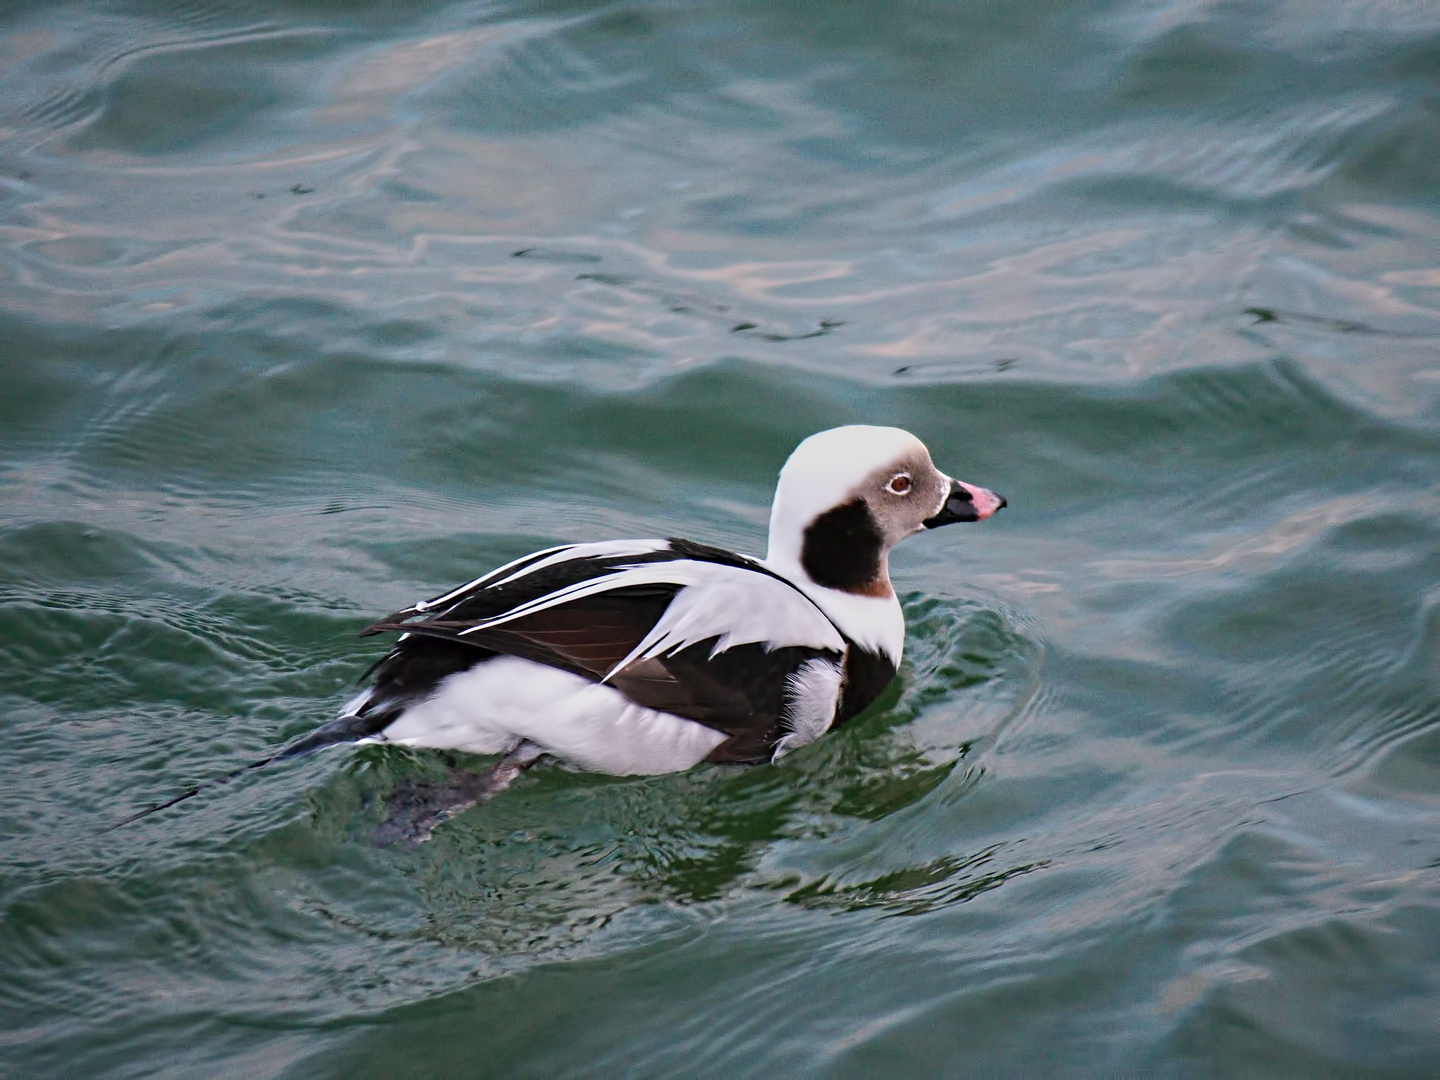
(563, 553)
(603, 549)
(735, 605)
(814, 694)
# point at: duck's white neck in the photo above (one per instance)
(875, 623)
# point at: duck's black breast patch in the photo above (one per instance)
(866, 675)
(842, 548)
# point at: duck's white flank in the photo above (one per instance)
(493, 706)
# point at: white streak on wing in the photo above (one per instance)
(735, 605)
(355, 704)
(605, 549)
(814, 695)
(738, 607)
(563, 553)
(426, 605)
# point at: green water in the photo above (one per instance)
(310, 309)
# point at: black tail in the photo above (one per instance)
(342, 730)
(407, 673)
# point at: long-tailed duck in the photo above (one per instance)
(650, 656)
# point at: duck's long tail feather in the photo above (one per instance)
(402, 676)
(344, 729)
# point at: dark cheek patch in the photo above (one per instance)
(842, 549)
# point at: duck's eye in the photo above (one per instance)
(899, 484)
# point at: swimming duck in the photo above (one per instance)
(650, 656)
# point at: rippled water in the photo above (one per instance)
(307, 309)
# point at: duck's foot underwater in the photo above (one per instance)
(416, 808)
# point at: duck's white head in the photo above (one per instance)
(845, 497)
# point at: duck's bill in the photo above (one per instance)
(966, 503)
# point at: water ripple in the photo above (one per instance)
(307, 310)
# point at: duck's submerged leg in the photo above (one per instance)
(415, 809)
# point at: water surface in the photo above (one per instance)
(308, 309)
